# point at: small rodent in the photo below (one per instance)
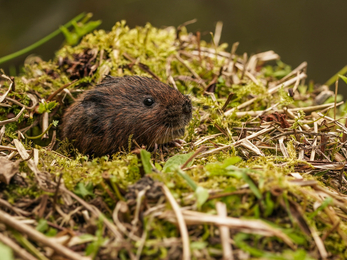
(102, 119)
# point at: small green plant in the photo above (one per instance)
(47, 107)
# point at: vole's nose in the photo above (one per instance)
(187, 107)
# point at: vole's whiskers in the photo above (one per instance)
(149, 128)
(156, 136)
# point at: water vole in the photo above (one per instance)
(102, 119)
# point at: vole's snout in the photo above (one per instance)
(187, 107)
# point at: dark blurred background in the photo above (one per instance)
(298, 30)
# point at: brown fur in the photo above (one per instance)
(102, 119)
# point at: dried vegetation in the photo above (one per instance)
(261, 175)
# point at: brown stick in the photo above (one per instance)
(181, 223)
(224, 233)
(60, 90)
(202, 148)
(10, 221)
(142, 66)
(17, 250)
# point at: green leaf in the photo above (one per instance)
(146, 161)
(83, 190)
(55, 123)
(80, 29)
(297, 238)
(328, 201)
(51, 105)
(42, 225)
(201, 195)
(231, 161)
(71, 38)
(251, 185)
(85, 238)
(42, 108)
(236, 172)
(92, 248)
(51, 232)
(186, 177)
(343, 78)
(198, 245)
(6, 252)
(47, 107)
(176, 161)
(83, 29)
(221, 168)
(158, 166)
(240, 243)
(270, 205)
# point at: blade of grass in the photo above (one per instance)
(336, 76)
(40, 42)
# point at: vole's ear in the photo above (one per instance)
(94, 97)
(108, 80)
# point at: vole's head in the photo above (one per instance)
(149, 110)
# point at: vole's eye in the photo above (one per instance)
(148, 101)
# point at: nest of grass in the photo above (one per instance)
(261, 175)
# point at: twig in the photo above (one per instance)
(313, 151)
(2, 132)
(335, 121)
(20, 212)
(32, 97)
(283, 147)
(336, 88)
(270, 91)
(141, 65)
(224, 233)
(293, 72)
(25, 156)
(206, 138)
(334, 227)
(304, 109)
(10, 221)
(217, 33)
(202, 148)
(60, 90)
(15, 119)
(181, 223)
(2, 98)
(57, 190)
(319, 243)
(95, 211)
(230, 96)
(247, 144)
(16, 248)
(191, 70)
(120, 225)
(252, 136)
(247, 226)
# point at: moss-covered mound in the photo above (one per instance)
(261, 175)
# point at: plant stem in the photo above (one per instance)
(39, 136)
(40, 42)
